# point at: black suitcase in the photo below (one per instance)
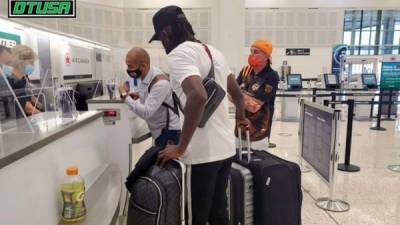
(277, 187)
(157, 197)
(240, 196)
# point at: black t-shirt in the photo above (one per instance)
(19, 87)
(262, 86)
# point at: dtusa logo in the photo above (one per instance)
(42, 8)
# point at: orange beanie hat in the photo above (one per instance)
(264, 46)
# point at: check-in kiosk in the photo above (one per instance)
(290, 105)
(331, 81)
(369, 80)
(294, 81)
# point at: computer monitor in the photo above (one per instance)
(87, 90)
(294, 81)
(369, 80)
(90, 89)
(331, 81)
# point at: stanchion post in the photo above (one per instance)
(378, 120)
(333, 99)
(389, 107)
(314, 93)
(330, 203)
(346, 166)
(390, 104)
(371, 112)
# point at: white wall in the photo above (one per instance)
(161, 3)
(322, 3)
(318, 62)
(112, 3)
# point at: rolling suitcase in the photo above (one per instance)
(240, 196)
(158, 197)
(277, 187)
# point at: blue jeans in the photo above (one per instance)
(168, 137)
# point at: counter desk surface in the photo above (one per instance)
(19, 140)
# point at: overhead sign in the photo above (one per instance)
(390, 72)
(77, 61)
(9, 40)
(42, 8)
(337, 53)
(297, 51)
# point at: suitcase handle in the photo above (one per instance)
(183, 195)
(248, 143)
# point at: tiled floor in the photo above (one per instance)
(373, 193)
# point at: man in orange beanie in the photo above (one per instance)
(258, 80)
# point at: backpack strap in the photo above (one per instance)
(177, 104)
(246, 73)
(211, 74)
(156, 79)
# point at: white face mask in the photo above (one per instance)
(7, 70)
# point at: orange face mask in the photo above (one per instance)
(254, 61)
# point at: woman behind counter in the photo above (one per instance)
(23, 58)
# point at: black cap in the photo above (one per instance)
(164, 17)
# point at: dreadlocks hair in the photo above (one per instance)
(182, 31)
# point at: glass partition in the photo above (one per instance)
(27, 106)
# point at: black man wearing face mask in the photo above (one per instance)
(153, 100)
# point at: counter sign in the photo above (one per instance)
(42, 8)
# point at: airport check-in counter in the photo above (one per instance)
(33, 164)
(127, 134)
(288, 103)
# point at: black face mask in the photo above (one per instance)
(134, 73)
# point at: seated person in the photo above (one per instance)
(5, 60)
(153, 100)
(23, 58)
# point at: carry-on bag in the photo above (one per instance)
(158, 196)
(240, 195)
(277, 187)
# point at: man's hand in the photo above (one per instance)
(243, 123)
(134, 95)
(123, 88)
(168, 153)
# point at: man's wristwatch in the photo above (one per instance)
(123, 95)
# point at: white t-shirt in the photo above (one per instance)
(215, 141)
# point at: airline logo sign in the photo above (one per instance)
(9, 40)
(42, 8)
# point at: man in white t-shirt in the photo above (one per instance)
(209, 150)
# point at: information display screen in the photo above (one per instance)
(369, 79)
(294, 80)
(331, 81)
(317, 130)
